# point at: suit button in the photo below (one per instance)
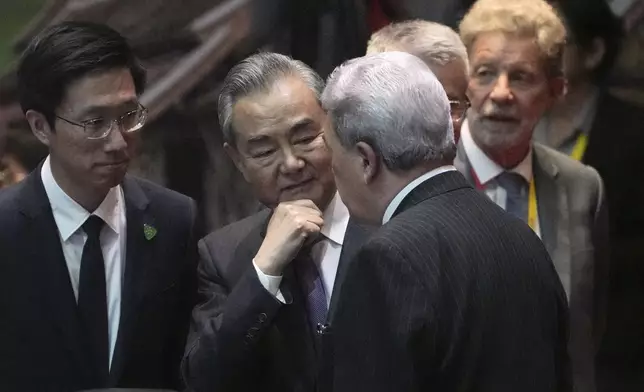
(262, 318)
(323, 329)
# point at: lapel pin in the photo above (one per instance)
(149, 231)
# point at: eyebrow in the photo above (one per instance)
(298, 126)
(489, 62)
(257, 139)
(100, 108)
(301, 124)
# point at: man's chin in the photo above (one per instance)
(111, 180)
(505, 138)
(315, 192)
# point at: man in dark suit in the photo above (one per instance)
(98, 269)
(268, 283)
(451, 294)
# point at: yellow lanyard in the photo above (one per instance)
(580, 147)
(577, 154)
(532, 206)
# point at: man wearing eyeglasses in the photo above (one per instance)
(440, 48)
(97, 267)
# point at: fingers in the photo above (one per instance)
(310, 229)
(315, 219)
(300, 215)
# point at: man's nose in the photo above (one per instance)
(501, 91)
(292, 162)
(115, 140)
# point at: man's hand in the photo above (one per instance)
(290, 226)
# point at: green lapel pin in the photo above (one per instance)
(149, 231)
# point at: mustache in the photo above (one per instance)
(499, 113)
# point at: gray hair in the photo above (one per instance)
(434, 43)
(393, 102)
(256, 74)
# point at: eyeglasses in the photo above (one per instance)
(458, 110)
(100, 128)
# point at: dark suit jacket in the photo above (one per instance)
(244, 339)
(615, 150)
(40, 333)
(573, 221)
(452, 294)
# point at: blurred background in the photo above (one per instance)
(188, 46)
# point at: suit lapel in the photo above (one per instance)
(137, 258)
(553, 213)
(246, 251)
(354, 237)
(49, 268)
(290, 332)
(293, 324)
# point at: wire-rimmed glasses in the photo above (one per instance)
(100, 128)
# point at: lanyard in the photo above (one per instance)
(580, 147)
(532, 200)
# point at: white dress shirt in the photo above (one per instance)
(70, 217)
(325, 254)
(400, 196)
(487, 171)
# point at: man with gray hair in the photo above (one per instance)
(267, 282)
(451, 293)
(440, 48)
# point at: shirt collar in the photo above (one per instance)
(69, 215)
(336, 219)
(395, 202)
(484, 167)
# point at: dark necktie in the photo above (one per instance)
(312, 287)
(92, 301)
(516, 188)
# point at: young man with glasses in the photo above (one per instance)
(98, 268)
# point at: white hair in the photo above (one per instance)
(434, 43)
(394, 103)
(257, 73)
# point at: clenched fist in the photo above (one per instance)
(290, 226)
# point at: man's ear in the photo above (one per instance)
(39, 126)
(369, 161)
(236, 157)
(595, 54)
(558, 86)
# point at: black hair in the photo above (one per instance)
(587, 20)
(66, 52)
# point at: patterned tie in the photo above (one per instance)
(92, 300)
(312, 286)
(516, 188)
